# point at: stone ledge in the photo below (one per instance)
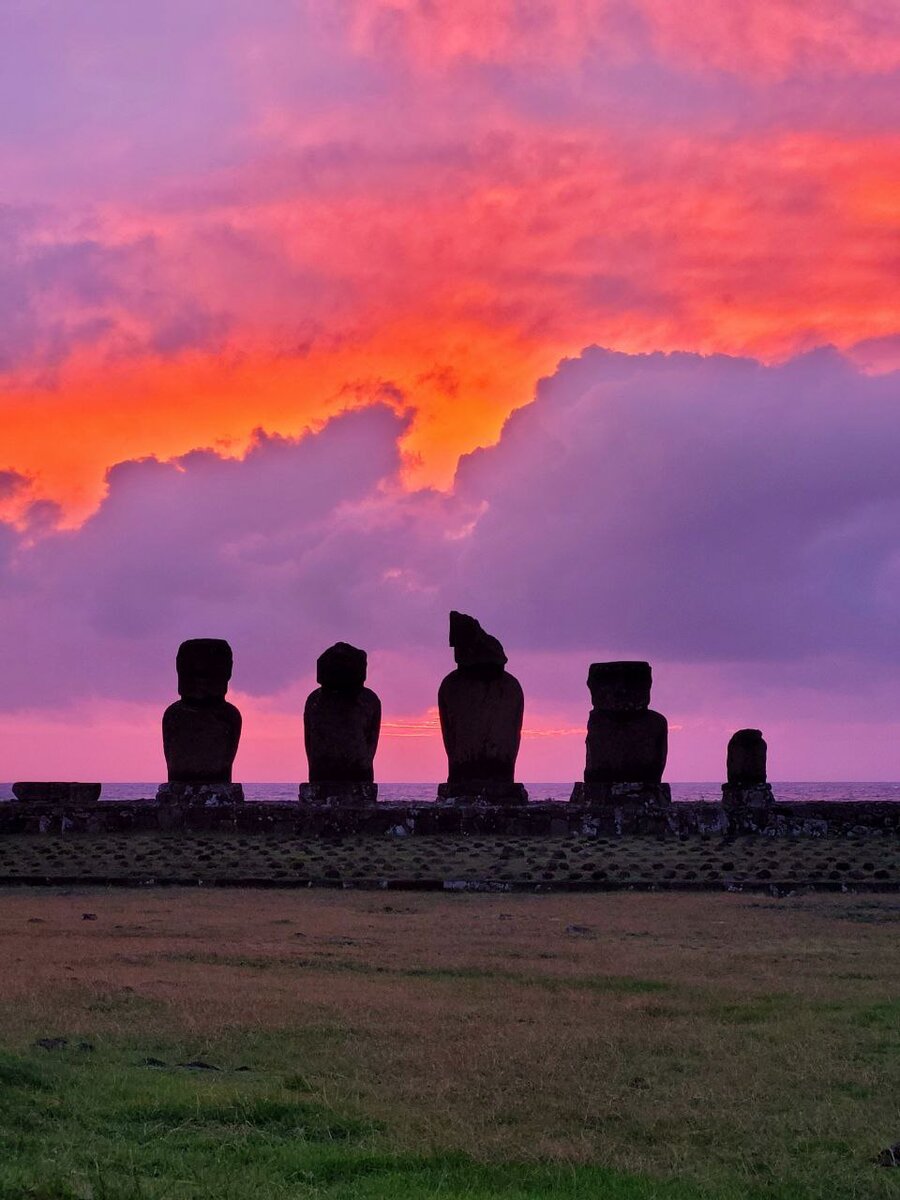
(681, 819)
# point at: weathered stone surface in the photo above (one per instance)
(626, 741)
(211, 795)
(67, 793)
(890, 1157)
(481, 708)
(339, 795)
(737, 797)
(201, 731)
(341, 720)
(873, 821)
(644, 795)
(482, 792)
(746, 761)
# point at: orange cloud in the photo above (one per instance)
(447, 293)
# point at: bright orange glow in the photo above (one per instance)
(465, 293)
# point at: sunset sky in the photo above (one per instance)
(318, 319)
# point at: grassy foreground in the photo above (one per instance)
(184, 1044)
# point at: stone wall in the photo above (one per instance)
(812, 819)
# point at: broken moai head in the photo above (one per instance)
(204, 667)
(481, 707)
(620, 686)
(746, 762)
(472, 647)
(342, 666)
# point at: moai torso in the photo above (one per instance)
(626, 741)
(201, 731)
(342, 719)
(481, 708)
(746, 762)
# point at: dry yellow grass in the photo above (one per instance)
(680, 1034)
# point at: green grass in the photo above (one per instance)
(104, 1128)
(680, 1047)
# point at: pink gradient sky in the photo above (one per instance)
(278, 283)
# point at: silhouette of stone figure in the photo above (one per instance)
(481, 708)
(747, 786)
(201, 731)
(627, 742)
(341, 724)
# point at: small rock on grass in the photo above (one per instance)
(51, 1043)
(89, 916)
(578, 930)
(151, 1062)
(890, 1157)
(198, 1065)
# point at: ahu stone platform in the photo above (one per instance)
(391, 819)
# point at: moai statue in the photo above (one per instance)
(481, 708)
(747, 789)
(201, 731)
(341, 724)
(627, 742)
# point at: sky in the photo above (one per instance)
(318, 319)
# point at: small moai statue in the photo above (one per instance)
(341, 724)
(627, 742)
(747, 788)
(481, 708)
(201, 731)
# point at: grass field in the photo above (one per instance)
(630, 1046)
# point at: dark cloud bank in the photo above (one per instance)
(696, 510)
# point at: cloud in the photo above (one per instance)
(699, 510)
(696, 508)
(318, 199)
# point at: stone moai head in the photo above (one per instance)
(620, 686)
(342, 667)
(204, 667)
(746, 763)
(472, 647)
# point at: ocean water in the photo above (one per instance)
(425, 792)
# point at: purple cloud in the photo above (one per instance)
(694, 510)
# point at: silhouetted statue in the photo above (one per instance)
(341, 724)
(481, 707)
(627, 742)
(201, 731)
(747, 786)
(746, 763)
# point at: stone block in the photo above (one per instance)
(482, 792)
(739, 797)
(203, 795)
(57, 793)
(339, 794)
(634, 795)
